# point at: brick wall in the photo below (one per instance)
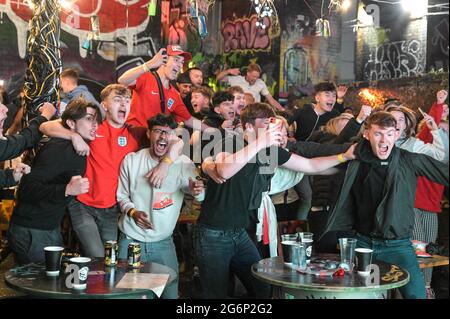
(395, 49)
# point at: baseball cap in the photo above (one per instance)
(177, 50)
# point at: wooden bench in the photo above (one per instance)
(435, 261)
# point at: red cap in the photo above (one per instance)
(177, 50)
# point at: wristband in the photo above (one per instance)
(341, 158)
(340, 100)
(167, 160)
(145, 67)
(131, 212)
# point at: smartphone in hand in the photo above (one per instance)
(422, 112)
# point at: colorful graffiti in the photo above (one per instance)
(305, 59)
(243, 34)
(124, 25)
(118, 18)
(177, 26)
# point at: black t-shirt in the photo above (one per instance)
(367, 192)
(234, 204)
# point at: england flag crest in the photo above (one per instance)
(122, 141)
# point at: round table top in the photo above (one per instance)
(275, 272)
(102, 280)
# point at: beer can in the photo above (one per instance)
(110, 273)
(134, 255)
(111, 253)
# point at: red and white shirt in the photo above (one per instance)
(108, 150)
(145, 101)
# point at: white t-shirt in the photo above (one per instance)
(257, 89)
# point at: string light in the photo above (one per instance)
(346, 4)
(265, 8)
(43, 56)
(65, 4)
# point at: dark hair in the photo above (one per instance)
(162, 120)
(382, 119)
(70, 73)
(220, 97)
(183, 78)
(77, 109)
(188, 71)
(324, 87)
(119, 89)
(256, 111)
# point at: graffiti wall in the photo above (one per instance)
(244, 42)
(393, 47)
(395, 60)
(437, 45)
(125, 27)
(244, 35)
(181, 22)
(306, 58)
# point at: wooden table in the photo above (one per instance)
(435, 261)
(291, 284)
(32, 280)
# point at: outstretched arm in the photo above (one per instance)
(318, 164)
(274, 102)
(130, 76)
(225, 73)
(14, 145)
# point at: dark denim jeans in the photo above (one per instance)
(218, 251)
(399, 252)
(28, 244)
(94, 226)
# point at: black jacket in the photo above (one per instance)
(394, 217)
(325, 188)
(41, 199)
(14, 145)
(308, 121)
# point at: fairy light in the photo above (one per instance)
(30, 4)
(265, 8)
(346, 4)
(65, 4)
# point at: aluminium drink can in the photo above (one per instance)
(111, 253)
(134, 255)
